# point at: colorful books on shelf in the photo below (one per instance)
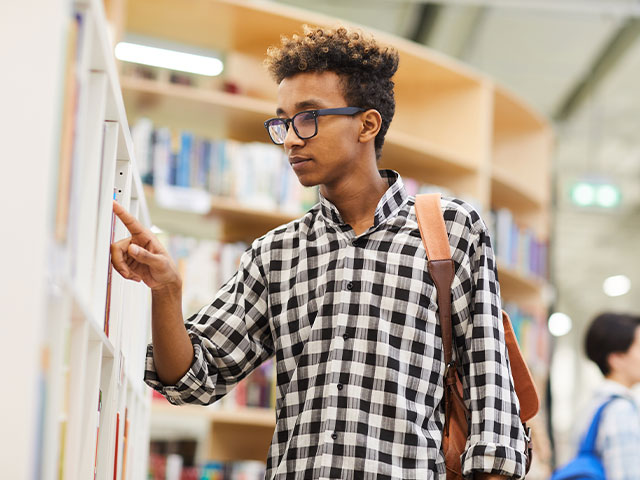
(205, 265)
(516, 247)
(254, 391)
(162, 464)
(532, 335)
(254, 174)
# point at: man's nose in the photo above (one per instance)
(291, 139)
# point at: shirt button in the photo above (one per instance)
(349, 286)
(340, 386)
(345, 336)
(334, 436)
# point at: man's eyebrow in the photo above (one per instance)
(304, 105)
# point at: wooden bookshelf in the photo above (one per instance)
(237, 416)
(453, 127)
(520, 161)
(87, 155)
(225, 219)
(206, 112)
(518, 286)
(221, 114)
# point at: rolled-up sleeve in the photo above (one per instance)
(496, 442)
(231, 337)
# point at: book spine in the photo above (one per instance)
(107, 309)
(116, 452)
(95, 461)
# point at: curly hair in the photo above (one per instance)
(364, 66)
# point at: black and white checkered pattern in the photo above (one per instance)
(352, 322)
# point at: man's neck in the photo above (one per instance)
(356, 198)
(620, 378)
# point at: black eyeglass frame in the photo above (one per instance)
(316, 113)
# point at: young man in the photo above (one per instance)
(342, 296)
(613, 343)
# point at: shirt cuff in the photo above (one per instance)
(493, 458)
(187, 389)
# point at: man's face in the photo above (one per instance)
(332, 153)
(632, 359)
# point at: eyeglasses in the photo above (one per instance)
(304, 123)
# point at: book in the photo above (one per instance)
(95, 461)
(125, 444)
(68, 128)
(116, 451)
(107, 308)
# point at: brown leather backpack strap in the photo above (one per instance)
(440, 265)
(442, 270)
(432, 228)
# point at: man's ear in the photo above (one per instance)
(615, 361)
(371, 124)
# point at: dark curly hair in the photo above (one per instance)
(364, 66)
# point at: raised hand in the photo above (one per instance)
(142, 257)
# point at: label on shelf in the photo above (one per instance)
(181, 198)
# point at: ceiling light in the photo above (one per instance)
(616, 285)
(559, 324)
(587, 193)
(170, 59)
(583, 194)
(607, 196)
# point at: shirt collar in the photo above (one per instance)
(609, 387)
(388, 206)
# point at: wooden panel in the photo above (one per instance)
(234, 441)
(210, 113)
(523, 158)
(453, 117)
(517, 287)
(513, 114)
(216, 25)
(520, 162)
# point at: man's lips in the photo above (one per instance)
(295, 160)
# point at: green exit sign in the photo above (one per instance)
(588, 194)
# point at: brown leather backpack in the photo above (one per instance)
(441, 268)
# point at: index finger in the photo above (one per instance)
(131, 222)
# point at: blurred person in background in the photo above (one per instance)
(612, 342)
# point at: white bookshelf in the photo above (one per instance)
(56, 353)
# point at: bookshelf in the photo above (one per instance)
(454, 127)
(80, 408)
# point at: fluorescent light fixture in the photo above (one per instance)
(559, 324)
(170, 59)
(616, 285)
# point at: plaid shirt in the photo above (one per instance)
(352, 322)
(618, 440)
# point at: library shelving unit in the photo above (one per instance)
(454, 127)
(79, 406)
